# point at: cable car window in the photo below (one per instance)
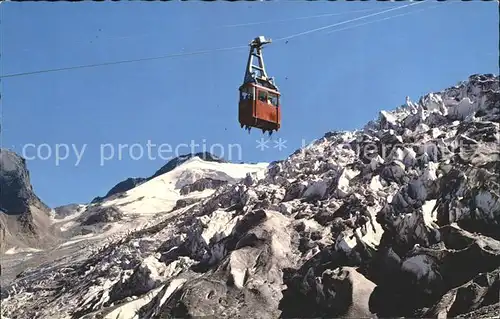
(246, 94)
(272, 99)
(262, 96)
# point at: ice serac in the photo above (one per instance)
(24, 218)
(398, 219)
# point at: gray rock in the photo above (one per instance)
(201, 184)
(24, 218)
(17, 194)
(103, 215)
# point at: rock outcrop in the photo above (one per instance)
(24, 218)
(201, 184)
(121, 187)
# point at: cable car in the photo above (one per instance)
(259, 104)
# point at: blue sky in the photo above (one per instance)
(329, 81)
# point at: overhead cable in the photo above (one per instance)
(166, 56)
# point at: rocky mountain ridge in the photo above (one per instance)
(399, 219)
(132, 182)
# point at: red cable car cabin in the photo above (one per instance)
(259, 107)
(259, 104)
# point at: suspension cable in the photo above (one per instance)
(220, 27)
(347, 21)
(383, 19)
(166, 56)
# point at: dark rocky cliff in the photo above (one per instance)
(24, 217)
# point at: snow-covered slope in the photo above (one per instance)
(143, 205)
(398, 219)
(162, 192)
(138, 206)
(132, 182)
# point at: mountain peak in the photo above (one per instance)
(173, 163)
(132, 182)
